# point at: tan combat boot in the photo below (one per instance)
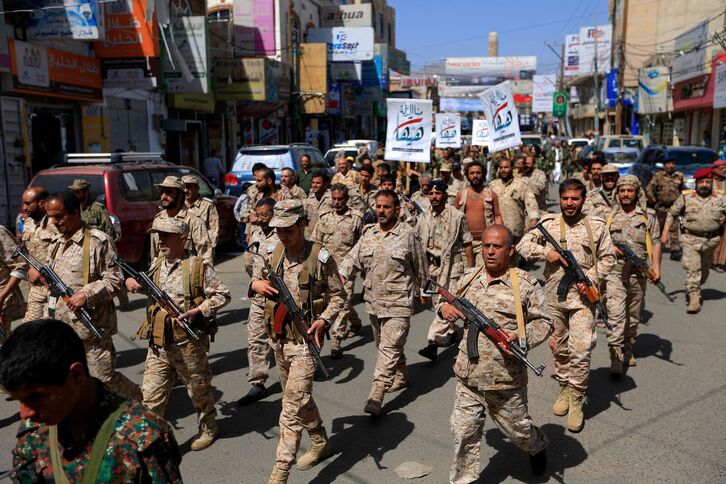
(375, 399)
(629, 359)
(562, 404)
(401, 380)
(575, 417)
(694, 302)
(207, 434)
(278, 476)
(616, 363)
(319, 450)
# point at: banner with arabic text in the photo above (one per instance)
(480, 133)
(408, 134)
(501, 113)
(448, 130)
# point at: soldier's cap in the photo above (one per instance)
(169, 226)
(349, 158)
(703, 173)
(467, 160)
(171, 182)
(718, 163)
(287, 212)
(610, 169)
(79, 184)
(630, 180)
(190, 180)
(445, 167)
(438, 185)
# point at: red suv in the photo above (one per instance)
(124, 183)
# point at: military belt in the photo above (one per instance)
(707, 235)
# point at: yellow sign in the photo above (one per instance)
(314, 77)
(241, 80)
(194, 101)
(96, 136)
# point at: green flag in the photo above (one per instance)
(559, 104)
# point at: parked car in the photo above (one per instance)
(622, 157)
(276, 157)
(531, 140)
(578, 142)
(689, 159)
(621, 141)
(370, 144)
(124, 183)
(332, 154)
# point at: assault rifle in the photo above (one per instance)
(58, 288)
(480, 323)
(369, 216)
(160, 297)
(12, 472)
(643, 267)
(601, 192)
(417, 206)
(298, 316)
(574, 273)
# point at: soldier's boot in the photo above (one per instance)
(401, 380)
(616, 363)
(336, 352)
(207, 435)
(694, 302)
(257, 392)
(676, 255)
(628, 358)
(562, 404)
(430, 351)
(278, 476)
(575, 417)
(375, 399)
(319, 449)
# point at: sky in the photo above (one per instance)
(429, 30)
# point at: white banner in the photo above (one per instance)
(448, 130)
(572, 55)
(509, 67)
(501, 112)
(345, 43)
(588, 47)
(719, 92)
(653, 90)
(408, 134)
(191, 39)
(480, 133)
(543, 86)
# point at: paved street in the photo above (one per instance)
(662, 423)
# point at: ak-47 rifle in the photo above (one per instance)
(601, 192)
(58, 288)
(574, 273)
(297, 315)
(160, 297)
(369, 216)
(417, 206)
(480, 323)
(643, 266)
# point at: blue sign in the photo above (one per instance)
(64, 19)
(612, 88)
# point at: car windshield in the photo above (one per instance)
(633, 143)
(578, 144)
(274, 158)
(332, 154)
(531, 141)
(55, 181)
(684, 158)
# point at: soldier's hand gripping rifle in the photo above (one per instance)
(58, 288)
(478, 322)
(574, 273)
(417, 206)
(643, 267)
(297, 315)
(160, 297)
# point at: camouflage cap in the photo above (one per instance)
(610, 169)
(79, 184)
(169, 226)
(190, 180)
(629, 180)
(287, 212)
(171, 182)
(445, 167)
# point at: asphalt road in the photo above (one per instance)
(663, 422)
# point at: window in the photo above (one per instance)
(57, 182)
(136, 186)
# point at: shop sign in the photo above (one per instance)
(126, 31)
(345, 43)
(356, 15)
(64, 19)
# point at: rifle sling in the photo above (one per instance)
(648, 238)
(590, 239)
(86, 255)
(519, 310)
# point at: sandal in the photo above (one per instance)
(353, 332)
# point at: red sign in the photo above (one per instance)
(127, 32)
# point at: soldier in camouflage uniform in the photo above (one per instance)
(636, 226)
(93, 214)
(310, 273)
(201, 207)
(94, 286)
(287, 179)
(38, 233)
(12, 271)
(172, 203)
(172, 351)
(444, 236)
(264, 188)
(421, 196)
(338, 230)
(573, 316)
(537, 181)
(599, 201)
(454, 185)
(663, 190)
(392, 260)
(318, 201)
(517, 202)
(703, 213)
(363, 198)
(65, 411)
(496, 382)
(345, 175)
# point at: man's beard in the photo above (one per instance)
(703, 191)
(477, 184)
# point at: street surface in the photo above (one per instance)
(663, 422)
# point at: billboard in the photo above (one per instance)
(190, 36)
(690, 58)
(719, 92)
(356, 15)
(408, 132)
(313, 77)
(64, 19)
(254, 28)
(345, 43)
(127, 33)
(542, 88)
(593, 40)
(653, 90)
(129, 72)
(572, 55)
(506, 67)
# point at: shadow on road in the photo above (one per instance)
(603, 390)
(653, 345)
(712, 294)
(232, 316)
(229, 361)
(349, 363)
(132, 357)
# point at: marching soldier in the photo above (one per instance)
(496, 382)
(537, 181)
(517, 202)
(454, 186)
(201, 207)
(392, 259)
(345, 175)
(365, 194)
(95, 284)
(663, 190)
(636, 226)
(318, 201)
(599, 201)
(338, 230)
(12, 271)
(311, 275)
(287, 179)
(193, 285)
(172, 203)
(702, 213)
(93, 214)
(444, 235)
(573, 316)
(421, 196)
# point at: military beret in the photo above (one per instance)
(703, 173)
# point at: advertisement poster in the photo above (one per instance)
(191, 39)
(345, 43)
(559, 104)
(254, 28)
(408, 133)
(64, 19)
(448, 130)
(595, 40)
(480, 133)
(542, 88)
(653, 90)
(572, 55)
(501, 113)
(719, 93)
(127, 33)
(461, 105)
(690, 60)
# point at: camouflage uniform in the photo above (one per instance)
(298, 193)
(350, 179)
(443, 237)
(537, 181)
(665, 189)
(104, 282)
(206, 211)
(573, 315)
(596, 203)
(517, 204)
(394, 267)
(422, 199)
(14, 305)
(142, 447)
(495, 382)
(96, 217)
(703, 220)
(314, 208)
(357, 196)
(181, 356)
(37, 237)
(198, 243)
(339, 233)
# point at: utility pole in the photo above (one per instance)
(621, 70)
(597, 88)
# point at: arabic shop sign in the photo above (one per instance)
(345, 43)
(64, 19)
(127, 33)
(408, 133)
(190, 36)
(501, 113)
(448, 130)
